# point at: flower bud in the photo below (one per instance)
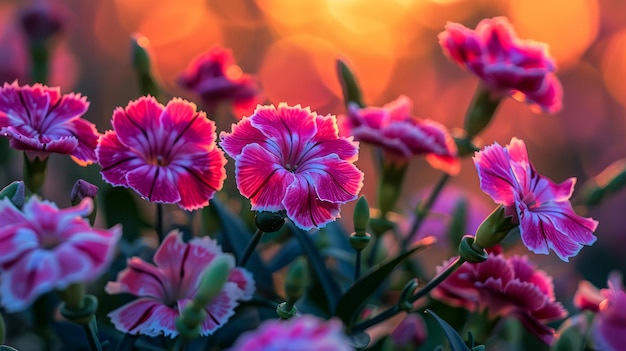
(349, 85)
(212, 281)
(142, 63)
(269, 222)
(295, 279)
(40, 22)
(81, 190)
(493, 229)
(285, 310)
(361, 216)
(16, 192)
(469, 251)
(481, 111)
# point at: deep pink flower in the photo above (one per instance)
(504, 287)
(505, 63)
(609, 325)
(292, 159)
(167, 153)
(41, 121)
(165, 289)
(542, 208)
(400, 135)
(43, 248)
(302, 333)
(216, 77)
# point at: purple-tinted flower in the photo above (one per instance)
(292, 159)
(609, 325)
(167, 153)
(41, 121)
(540, 206)
(400, 135)
(505, 63)
(216, 77)
(41, 21)
(302, 333)
(410, 332)
(504, 287)
(165, 289)
(43, 248)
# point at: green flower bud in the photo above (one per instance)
(493, 229)
(470, 252)
(285, 310)
(349, 85)
(269, 222)
(361, 216)
(296, 278)
(481, 111)
(141, 62)
(213, 279)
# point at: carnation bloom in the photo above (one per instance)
(505, 63)
(41, 121)
(504, 287)
(292, 159)
(540, 206)
(216, 77)
(302, 333)
(165, 289)
(610, 307)
(167, 153)
(400, 135)
(44, 248)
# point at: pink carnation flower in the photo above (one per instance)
(43, 248)
(292, 159)
(504, 287)
(302, 333)
(41, 121)
(215, 76)
(505, 63)
(542, 208)
(400, 135)
(609, 325)
(165, 289)
(167, 153)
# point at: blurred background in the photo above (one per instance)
(292, 47)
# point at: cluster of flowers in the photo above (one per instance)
(291, 160)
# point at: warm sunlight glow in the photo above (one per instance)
(614, 66)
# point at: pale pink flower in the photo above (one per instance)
(400, 135)
(216, 78)
(292, 159)
(540, 206)
(302, 333)
(165, 289)
(167, 154)
(504, 287)
(44, 248)
(505, 63)
(609, 324)
(41, 121)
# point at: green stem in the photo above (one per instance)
(357, 265)
(2, 330)
(256, 238)
(127, 343)
(423, 209)
(393, 310)
(39, 54)
(159, 221)
(483, 106)
(35, 173)
(43, 319)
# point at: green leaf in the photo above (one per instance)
(355, 298)
(331, 289)
(234, 237)
(455, 340)
(349, 85)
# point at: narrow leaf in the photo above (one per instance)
(455, 340)
(355, 298)
(349, 85)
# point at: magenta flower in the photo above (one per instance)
(542, 208)
(167, 153)
(302, 333)
(504, 287)
(506, 64)
(609, 324)
(292, 159)
(41, 121)
(43, 248)
(400, 135)
(216, 78)
(165, 289)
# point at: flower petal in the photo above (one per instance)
(145, 316)
(261, 178)
(242, 134)
(221, 308)
(154, 183)
(198, 183)
(138, 123)
(335, 180)
(116, 159)
(141, 279)
(303, 206)
(494, 172)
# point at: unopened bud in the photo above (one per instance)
(349, 85)
(213, 279)
(40, 22)
(269, 222)
(494, 229)
(296, 279)
(285, 310)
(361, 216)
(81, 190)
